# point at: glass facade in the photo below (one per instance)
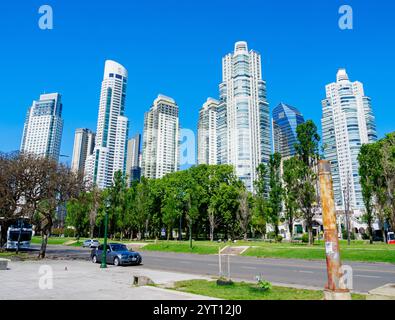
(286, 119)
(243, 121)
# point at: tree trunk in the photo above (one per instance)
(211, 233)
(384, 235)
(311, 239)
(91, 230)
(245, 236)
(370, 231)
(190, 236)
(44, 242)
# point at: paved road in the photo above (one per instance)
(366, 276)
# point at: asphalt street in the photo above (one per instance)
(305, 273)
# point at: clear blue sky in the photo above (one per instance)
(175, 47)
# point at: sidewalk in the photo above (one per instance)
(80, 280)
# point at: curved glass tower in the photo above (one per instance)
(109, 155)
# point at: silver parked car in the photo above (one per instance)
(117, 254)
(90, 243)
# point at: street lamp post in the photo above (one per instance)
(104, 254)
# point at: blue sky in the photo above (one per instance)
(175, 47)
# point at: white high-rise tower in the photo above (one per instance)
(84, 144)
(109, 155)
(347, 123)
(207, 133)
(42, 132)
(161, 139)
(243, 122)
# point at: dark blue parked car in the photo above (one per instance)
(117, 254)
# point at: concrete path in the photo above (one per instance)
(83, 280)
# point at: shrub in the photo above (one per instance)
(305, 238)
(264, 285)
(57, 232)
(279, 238)
(271, 235)
(69, 233)
(344, 235)
(365, 236)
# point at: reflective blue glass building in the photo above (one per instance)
(285, 121)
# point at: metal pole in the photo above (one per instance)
(104, 253)
(228, 267)
(219, 264)
(179, 231)
(333, 291)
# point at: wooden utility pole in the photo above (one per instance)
(335, 289)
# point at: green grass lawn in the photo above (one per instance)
(249, 291)
(354, 252)
(357, 251)
(52, 240)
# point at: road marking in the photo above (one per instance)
(303, 271)
(185, 262)
(365, 276)
(249, 268)
(212, 265)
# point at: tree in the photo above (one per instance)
(58, 185)
(276, 191)
(369, 172)
(94, 198)
(142, 207)
(78, 214)
(290, 179)
(388, 174)
(116, 201)
(307, 152)
(260, 210)
(244, 211)
(170, 213)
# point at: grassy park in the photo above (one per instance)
(249, 291)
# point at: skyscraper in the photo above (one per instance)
(133, 169)
(161, 139)
(284, 123)
(207, 133)
(243, 121)
(347, 123)
(84, 144)
(42, 132)
(109, 155)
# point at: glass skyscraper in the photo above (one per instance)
(285, 120)
(243, 120)
(347, 123)
(42, 132)
(110, 151)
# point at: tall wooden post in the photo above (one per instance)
(335, 289)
